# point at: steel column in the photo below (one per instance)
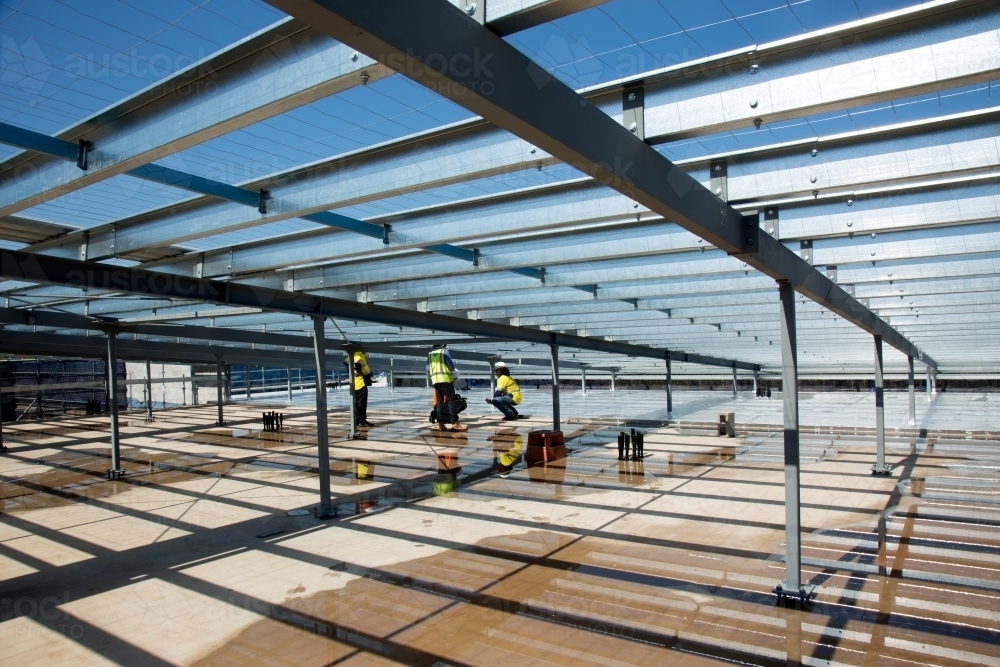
(583, 381)
(612, 382)
(149, 392)
(353, 431)
(555, 385)
(735, 395)
(927, 383)
(670, 389)
(755, 374)
(219, 399)
(116, 461)
(880, 467)
(322, 435)
(913, 402)
(792, 585)
(288, 377)
(493, 387)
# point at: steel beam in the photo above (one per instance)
(278, 69)
(559, 121)
(93, 276)
(942, 50)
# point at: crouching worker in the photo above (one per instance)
(507, 394)
(443, 375)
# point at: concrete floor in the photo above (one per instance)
(203, 554)
(949, 410)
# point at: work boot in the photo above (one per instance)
(459, 427)
(438, 427)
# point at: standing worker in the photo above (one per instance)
(443, 376)
(362, 380)
(507, 395)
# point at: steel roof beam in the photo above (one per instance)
(277, 69)
(90, 275)
(883, 23)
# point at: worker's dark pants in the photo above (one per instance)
(360, 405)
(504, 403)
(445, 406)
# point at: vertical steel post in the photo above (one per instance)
(219, 399)
(116, 460)
(248, 383)
(583, 381)
(880, 467)
(353, 432)
(288, 377)
(755, 383)
(612, 381)
(927, 384)
(322, 435)
(670, 389)
(149, 392)
(493, 386)
(555, 385)
(934, 382)
(912, 388)
(790, 394)
(734, 381)
(391, 380)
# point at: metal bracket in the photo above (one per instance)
(633, 100)
(386, 229)
(542, 276)
(751, 228)
(805, 593)
(475, 258)
(82, 154)
(884, 470)
(806, 251)
(329, 514)
(474, 9)
(831, 273)
(771, 221)
(116, 474)
(718, 179)
(263, 196)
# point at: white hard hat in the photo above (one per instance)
(499, 364)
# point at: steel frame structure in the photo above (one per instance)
(889, 233)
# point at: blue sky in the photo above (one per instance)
(64, 60)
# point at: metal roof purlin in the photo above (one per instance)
(518, 95)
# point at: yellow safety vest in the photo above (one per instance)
(359, 380)
(506, 384)
(439, 367)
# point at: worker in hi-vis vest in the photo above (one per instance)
(443, 375)
(507, 394)
(362, 380)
